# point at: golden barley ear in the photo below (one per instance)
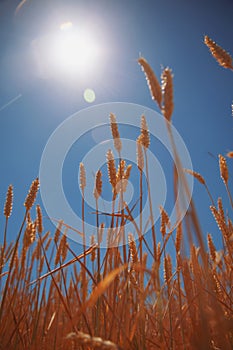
(223, 169)
(211, 247)
(115, 133)
(167, 91)
(165, 220)
(92, 342)
(230, 154)
(31, 197)
(140, 158)
(39, 219)
(167, 269)
(98, 184)
(82, 176)
(29, 235)
(132, 249)
(112, 174)
(93, 253)
(144, 138)
(152, 81)
(8, 202)
(222, 57)
(120, 171)
(197, 176)
(178, 237)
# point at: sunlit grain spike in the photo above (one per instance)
(82, 176)
(58, 231)
(98, 184)
(93, 253)
(115, 133)
(167, 268)
(64, 247)
(132, 249)
(120, 170)
(196, 175)
(111, 169)
(212, 248)
(29, 235)
(92, 342)
(31, 197)
(8, 202)
(230, 154)
(221, 56)
(61, 250)
(167, 91)
(221, 210)
(39, 219)
(152, 81)
(127, 172)
(165, 221)
(223, 168)
(140, 158)
(178, 237)
(221, 224)
(144, 138)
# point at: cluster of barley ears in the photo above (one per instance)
(140, 296)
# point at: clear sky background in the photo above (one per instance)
(36, 95)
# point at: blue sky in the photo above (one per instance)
(167, 33)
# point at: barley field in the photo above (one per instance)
(137, 293)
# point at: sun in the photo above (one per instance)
(75, 49)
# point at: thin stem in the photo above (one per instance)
(150, 204)
(229, 194)
(84, 248)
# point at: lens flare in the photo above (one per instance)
(89, 95)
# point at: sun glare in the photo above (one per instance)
(74, 49)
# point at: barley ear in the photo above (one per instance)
(165, 221)
(152, 81)
(98, 184)
(230, 154)
(167, 90)
(111, 169)
(167, 269)
(140, 158)
(93, 253)
(178, 237)
(212, 248)
(8, 202)
(82, 176)
(222, 57)
(223, 169)
(31, 197)
(115, 133)
(39, 219)
(197, 176)
(144, 138)
(132, 249)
